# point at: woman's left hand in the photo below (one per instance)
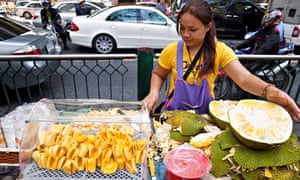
(280, 97)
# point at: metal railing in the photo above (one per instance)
(26, 79)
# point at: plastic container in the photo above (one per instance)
(186, 163)
(89, 117)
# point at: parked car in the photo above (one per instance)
(233, 18)
(21, 2)
(19, 39)
(66, 9)
(127, 26)
(29, 9)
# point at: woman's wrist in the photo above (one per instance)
(266, 91)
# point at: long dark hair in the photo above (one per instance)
(202, 11)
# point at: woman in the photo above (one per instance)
(197, 29)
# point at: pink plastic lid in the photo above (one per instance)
(187, 163)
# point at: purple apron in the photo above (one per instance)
(188, 96)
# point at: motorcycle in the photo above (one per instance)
(276, 72)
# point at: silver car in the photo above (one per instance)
(66, 10)
(19, 39)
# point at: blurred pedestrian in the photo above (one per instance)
(82, 9)
(161, 6)
(50, 16)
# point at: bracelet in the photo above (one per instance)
(265, 90)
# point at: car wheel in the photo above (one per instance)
(104, 44)
(27, 15)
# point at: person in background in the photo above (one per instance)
(161, 6)
(197, 29)
(267, 39)
(81, 9)
(49, 15)
(280, 27)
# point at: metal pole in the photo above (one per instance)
(144, 71)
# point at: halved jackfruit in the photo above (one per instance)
(260, 124)
(218, 111)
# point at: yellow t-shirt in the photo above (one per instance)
(167, 60)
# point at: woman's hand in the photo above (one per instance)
(280, 97)
(151, 101)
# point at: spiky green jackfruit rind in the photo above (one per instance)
(191, 127)
(227, 140)
(287, 153)
(281, 173)
(177, 136)
(219, 167)
(176, 117)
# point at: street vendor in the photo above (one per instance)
(199, 56)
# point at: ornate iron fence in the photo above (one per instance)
(26, 79)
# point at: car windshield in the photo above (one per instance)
(11, 28)
(99, 11)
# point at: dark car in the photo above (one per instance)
(233, 18)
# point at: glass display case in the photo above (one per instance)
(80, 139)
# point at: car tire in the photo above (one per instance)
(27, 15)
(104, 44)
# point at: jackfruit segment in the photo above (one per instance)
(176, 117)
(251, 164)
(218, 110)
(203, 140)
(109, 149)
(259, 123)
(191, 127)
(177, 136)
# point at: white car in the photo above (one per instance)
(66, 10)
(122, 27)
(29, 9)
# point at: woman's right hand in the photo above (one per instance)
(151, 101)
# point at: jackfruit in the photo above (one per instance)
(280, 173)
(218, 111)
(176, 117)
(287, 153)
(251, 163)
(219, 166)
(177, 136)
(190, 127)
(260, 124)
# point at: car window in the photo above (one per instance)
(151, 17)
(21, 3)
(67, 7)
(35, 5)
(124, 15)
(10, 29)
(92, 8)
